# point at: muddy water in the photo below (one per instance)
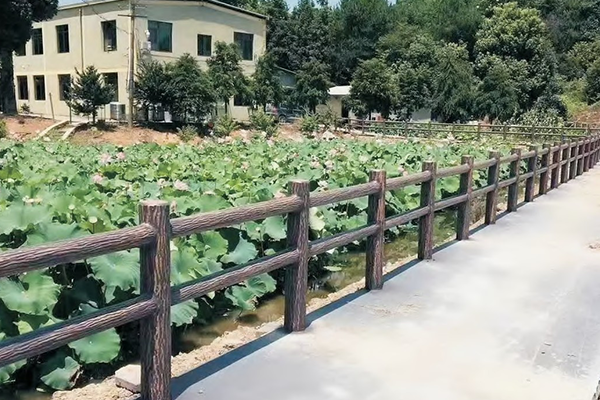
(351, 269)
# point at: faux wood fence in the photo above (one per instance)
(557, 164)
(433, 129)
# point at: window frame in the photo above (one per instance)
(36, 79)
(20, 80)
(109, 26)
(155, 33)
(242, 38)
(34, 36)
(114, 84)
(62, 93)
(62, 32)
(202, 51)
(21, 51)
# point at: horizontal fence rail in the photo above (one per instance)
(432, 129)
(551, 166)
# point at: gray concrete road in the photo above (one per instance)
(513, 313)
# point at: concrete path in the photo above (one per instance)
(513, 313)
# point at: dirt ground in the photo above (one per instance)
(121, 135)
(25, 128)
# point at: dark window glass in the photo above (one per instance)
(160, 36)
(241, 101)
(109, 35)
(64, 86)
(37, 42)
(112, 79)
(245, 42)
(62, 37)
(23, 87)
(40, 87)
(205, 45)
(20, 51)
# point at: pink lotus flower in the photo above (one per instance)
(97, 178)
(105, 159)
(121, 156)
(315, 164)
(179, 185)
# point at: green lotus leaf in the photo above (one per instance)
(60, 372)
(275, 227)
(184, 313)
(244, 252)
(7, 371)
(29, 323)
(212, 244)
(101, 347)
(241, 297)
(19, 216)
(51, 231)
(117, 270)
(33, 293)
(185, 266)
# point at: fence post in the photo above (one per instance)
(513, 189)
(586, 156)
(504, 131)
(478, 130)
(530, 182)
(581, 153)
(155, 279)
(573, 163)
(463, 214)
(564, 171)
(296, 275)
(491, 199)
(425, 250)
(556, 160)
(376, 215)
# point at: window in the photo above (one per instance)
(109, 35)
(40, 87)
(23, 87)
(37, 42)
(64, 86)
(204, 45)
(112, 79)
(62, 38)
(160, 36)
(241, 101)
(245, 43)
(20, 51)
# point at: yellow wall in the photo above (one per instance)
(189, 18)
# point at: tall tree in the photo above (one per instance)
(267, 85)
(193, 92)
(312, 85)
(357, 27)
(225, 72)
(153, 85)
(497, 95)
(279, 36)
(372, 88)
(453, 85)
(16, 17)
(89, 92)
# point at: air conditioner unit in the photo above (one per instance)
(117, 111)
(109, 47)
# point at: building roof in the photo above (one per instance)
(339, 91)
(85, 3)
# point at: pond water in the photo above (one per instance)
(352, 269)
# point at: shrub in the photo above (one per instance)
(264, 122)
(187, 133)
(3, 129)
(25, 108)
(309, 124)
(225, 125)
(328, 119)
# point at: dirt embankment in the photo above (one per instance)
(23, 128)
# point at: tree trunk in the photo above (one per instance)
(8, 102)
(94, 117)
(226, 106)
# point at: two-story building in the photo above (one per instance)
(97, 33)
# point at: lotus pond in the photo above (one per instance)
(52, 191)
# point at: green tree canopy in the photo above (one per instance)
(267, 85)
(225, 72)
(372, 88)
(193, 91)
(89, 92)
(312, 85)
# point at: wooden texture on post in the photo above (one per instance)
(580, 157)
(463, 214)
(296, 275)
(376, 215)
(530, 182)
(555, 174)
(425, 248)
(564, 170)
(573, 162)
(513, 189)
(155, 280)
(491, 199)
